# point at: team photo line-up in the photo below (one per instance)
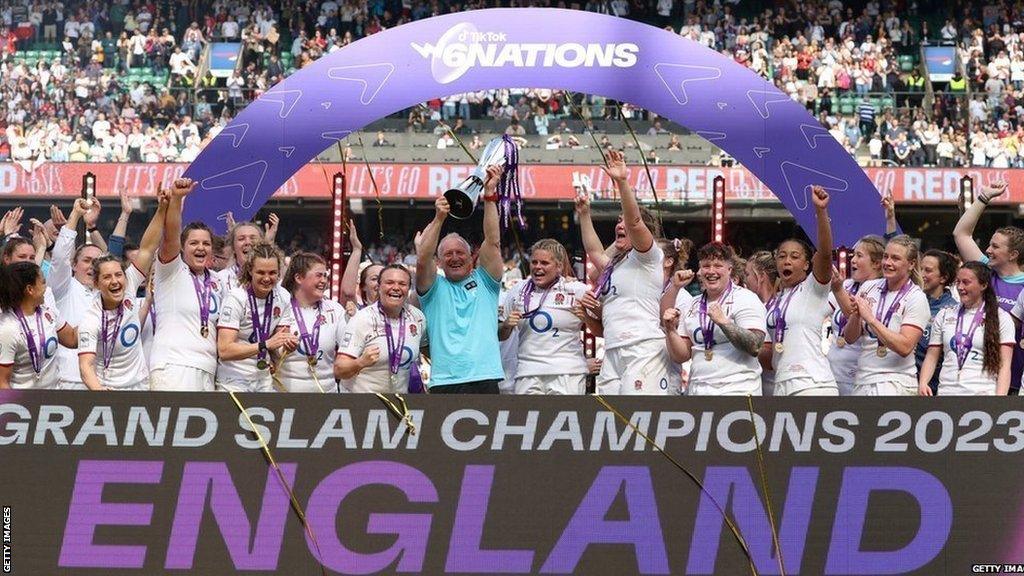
(185, 310)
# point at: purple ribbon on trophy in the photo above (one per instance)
(501, 151)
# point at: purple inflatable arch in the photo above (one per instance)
(724, 102)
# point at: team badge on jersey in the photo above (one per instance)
(321, 320)
(277, 312)
(638, 385)
(559, 299)
(48, 317)
(412, 329)
(128, 304)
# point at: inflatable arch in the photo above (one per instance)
(722, 101)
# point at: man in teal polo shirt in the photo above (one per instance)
(462, 306)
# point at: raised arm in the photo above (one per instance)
(679, 280)
(591, 242)
(679, 349)
(170, 247)
(154, 232)
(963, 233)
(350, 279)
(639, 235)
(64, 248)
(490, 249)
(426, 247)
(821, 264)
(116, 240)
(889, 206)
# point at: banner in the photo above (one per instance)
(540, 182)
(153, 483)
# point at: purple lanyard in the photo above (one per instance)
(604, 282)
(527, 293)
(394, 349)
(310, 339)
(203, 294)
(35, 350)
(904, 290)
(962, 343)
(852, 291)
(707, 327)
(778, 306)
(261, 329)
(109, 338)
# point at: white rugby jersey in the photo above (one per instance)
(127, 360)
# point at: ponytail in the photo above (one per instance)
(678, 249)
(991, 358)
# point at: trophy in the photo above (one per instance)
(88, 188)
(501, 151)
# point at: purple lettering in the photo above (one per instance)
(588, 525)
(733, 488)
(87, 511)
(247, 553)
(413, 530)
(464, 553)
(845, 555)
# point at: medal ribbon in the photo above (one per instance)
(203, 294)
(707, 326)
(261, 329)
(528, 293)
(311, 340)
(110, 338)
(394, 348)
(895, 303)
(778, 306)
(35, 349)
(962, 342)
(604, 282)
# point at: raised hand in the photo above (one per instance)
(353, 236)
(888, 204)
(39, 236)
(590, 302)
(864, 308)
(11, 222)
(441, 208)
(681, 278)
(994, 190)
(57, 217)
(837, 279)
(820, 197)
(670, 320)
(126, 202)
(270, 229)
(229, 219)
(183, 187)
(92, 213)
(583, 204)
(616, 168)
(493, 177)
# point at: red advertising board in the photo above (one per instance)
(539, 181)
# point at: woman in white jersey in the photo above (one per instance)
(110, 354)
(550, 352)
(891, 315)
(186, 304)
(865, 265)
(359, 281)
(29, 330)
(674, 294)
(975, 340)
(319, 324)
(382, 341)
(630, 287)
(798, 311)
(241, 238)
(722, 331)
(762, 275)
(254, 328)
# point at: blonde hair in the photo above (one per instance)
(554, 247)
(913, 254)
(261, 249)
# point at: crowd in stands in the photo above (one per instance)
(115, 82)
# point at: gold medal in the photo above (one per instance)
(779, 347)
(204, 331)
(1022, 343)
(882, 352)
(261, 364)
(709, 354)
(840, 342)
(311, 360)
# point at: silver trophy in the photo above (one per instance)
(462, 199)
